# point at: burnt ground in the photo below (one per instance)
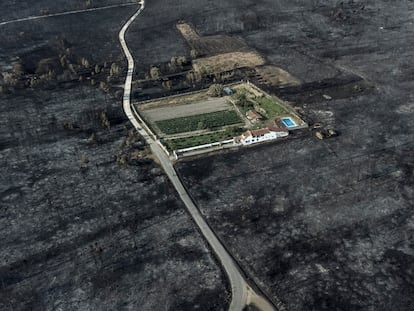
(80, 230)
(324, 225)
(319, 225)
(92, 34)
(10, 10)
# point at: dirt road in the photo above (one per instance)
(30, 18)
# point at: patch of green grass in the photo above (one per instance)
(186, 142)
(271, 106)
(268, 107)
(199, 122)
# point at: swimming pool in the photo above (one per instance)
(288, 122)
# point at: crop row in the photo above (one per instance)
(185, 142)
(211, 120)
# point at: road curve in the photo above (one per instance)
(242, 293)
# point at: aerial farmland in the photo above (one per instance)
(100, 210)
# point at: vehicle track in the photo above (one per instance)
(30, 18)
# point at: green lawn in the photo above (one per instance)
(248, 101)
(271, 106)
(199, 122)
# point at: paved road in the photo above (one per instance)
(30, 18)
(242, 293)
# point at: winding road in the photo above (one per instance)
(242, 293)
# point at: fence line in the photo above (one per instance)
(219, 143)
(223, 144)
(281, 102)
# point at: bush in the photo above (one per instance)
(215, 90)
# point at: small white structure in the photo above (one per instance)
(256, 136)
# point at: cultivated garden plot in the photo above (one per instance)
(212, 120)
(190, 120)
(248, 98)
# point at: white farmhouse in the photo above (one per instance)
(256, 136)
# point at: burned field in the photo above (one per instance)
(82, 211)
(312, 231)
(88, 220)
(10, 10)
(325, 225)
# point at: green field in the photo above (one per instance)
(186, 142)
(199, 122)
(267, 106)
(271, 106)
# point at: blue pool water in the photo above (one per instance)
(288, 122)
